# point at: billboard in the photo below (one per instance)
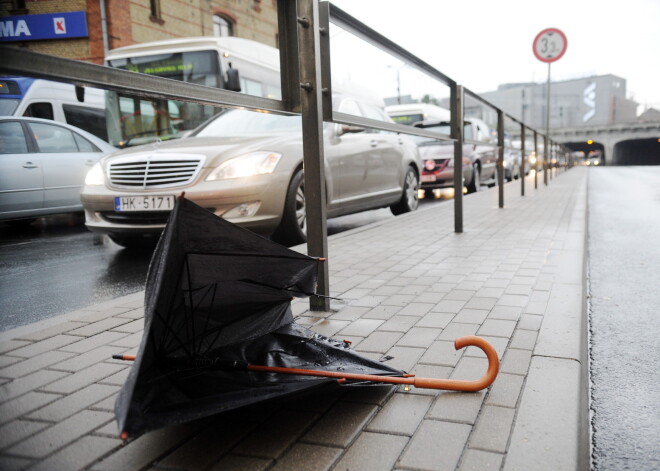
(46, 26)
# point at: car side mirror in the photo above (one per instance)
(349, 128)
(233, 82)
(80, 93)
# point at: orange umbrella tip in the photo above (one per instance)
(124, 436)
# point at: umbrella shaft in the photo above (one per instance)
(333, 374)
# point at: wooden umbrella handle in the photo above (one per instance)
(462, 385)
(427, 383)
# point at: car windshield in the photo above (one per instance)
(442, 128)
(8, 106)
(248, 123)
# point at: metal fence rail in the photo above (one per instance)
(306, 84)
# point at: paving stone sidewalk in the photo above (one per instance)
(409, 287)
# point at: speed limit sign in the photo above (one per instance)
(549, 45)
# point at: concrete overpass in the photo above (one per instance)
(620, 144)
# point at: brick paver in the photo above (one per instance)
(408, 287)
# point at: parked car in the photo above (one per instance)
(479, 159)
(247, 167)
(530, 160)
(42, 167)
(512, 159)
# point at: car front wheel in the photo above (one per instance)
(409, 199)
(292, 229)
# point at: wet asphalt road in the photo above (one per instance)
(55, 266)
(624, 254)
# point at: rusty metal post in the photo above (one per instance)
(500, 157)
(536, 160)
(309, 60)
(546, 159)
(457, 130)
(523, 160)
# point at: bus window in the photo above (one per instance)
(40, 110)
(251, 87)
(273, 92)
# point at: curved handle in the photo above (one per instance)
(462, 385)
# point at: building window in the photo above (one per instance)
(18, 8)
(154, 8)
(222, 26)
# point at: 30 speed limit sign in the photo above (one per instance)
(549, 45)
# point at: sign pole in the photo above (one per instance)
(546, 160)
(549, 46)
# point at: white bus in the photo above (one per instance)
(235, 64)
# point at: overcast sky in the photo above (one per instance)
(484, 43)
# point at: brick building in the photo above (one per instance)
(115, 23)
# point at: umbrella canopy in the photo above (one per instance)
(218, 299)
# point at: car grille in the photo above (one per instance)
(438, 165)
(154, 171)
(137, 218)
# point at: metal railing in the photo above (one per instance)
(306, 83)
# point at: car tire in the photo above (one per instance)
(134, 242)
(292, 229)
(410, 196)
(475, 184)
(21, 223)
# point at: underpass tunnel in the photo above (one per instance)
(590, 148)
(637, 152)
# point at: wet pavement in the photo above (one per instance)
(624, 254)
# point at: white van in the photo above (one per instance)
(37, 98)
(412, 113)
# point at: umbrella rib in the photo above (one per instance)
(210, 345)
(192, 305)
(174, 335)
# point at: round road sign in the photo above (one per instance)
(549, 45)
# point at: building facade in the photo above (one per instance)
(107, 24)
(591, 101)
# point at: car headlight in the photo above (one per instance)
(256, 163)
(95, 175)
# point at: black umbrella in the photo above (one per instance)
(219, 333)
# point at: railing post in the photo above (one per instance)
(500, 158)
(546, 161)
(536, 160)
(457, 130)
(552, 156)
(523, 159)
(311, 100)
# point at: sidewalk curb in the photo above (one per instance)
(552, 423)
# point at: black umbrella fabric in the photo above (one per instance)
(217, 299)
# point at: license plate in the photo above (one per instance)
(144, 203)
(428, 178)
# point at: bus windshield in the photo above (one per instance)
(133, 120)
(200, 67)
